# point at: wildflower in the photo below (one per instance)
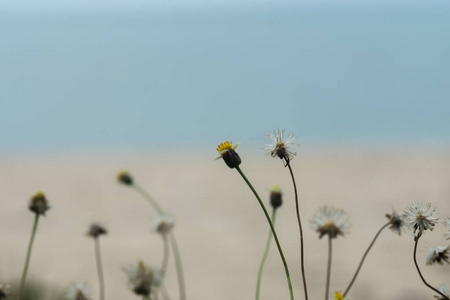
(331, 221)
(4, 291)
(276, 196)
(438, 255)
(419, 217)
(338, 296)
(447, 224)
(96, 230)
(78, 291)
(163, 224)
(396, 223)
(125, 178)
(278, 145)
(39, 204)
(140, 278)
(444, 290)
(226, 151)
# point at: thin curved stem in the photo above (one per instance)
(420, 273)
(364, 257)
(165, 259)
(149, 198)
(327, 287)
(273, 231)
(27, 260)
(173, 242)
(263, 260)
(98, 259)
(302, 257)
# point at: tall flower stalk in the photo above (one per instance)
(38, 205)
(126, 179)
(95, 231)
(275, 202)
(278, 147)
(232, 159)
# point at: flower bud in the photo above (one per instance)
(226, 151)
(39, 204)
(276, 196)
(125, 178)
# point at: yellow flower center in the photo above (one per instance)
(338, 296)
(224, 146)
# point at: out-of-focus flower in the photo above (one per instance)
(419, 217)
(39, 204)
(338, 296)
(163, 224)
(276, 196)
(438, 255)
(78, 291)
(125, 178)
(140, 278)
(396, 223)
(226, 151)
(279, 145)
(331, 221)
(444, 290)
(4, 291)
(96, 230)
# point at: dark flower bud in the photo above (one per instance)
(39, 204)
(226, 151)
(96, 230)
(125, 178)
(276, 196)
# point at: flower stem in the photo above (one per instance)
(173, 242)
(327, 287)
(266, 252)
(420, 273)
(27, 261)
(271, 228)
(364, 257)
(302, 258)
(98, 259)
(165, 260)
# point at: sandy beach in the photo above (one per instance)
(220, 227)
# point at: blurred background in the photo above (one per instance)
(90, 88)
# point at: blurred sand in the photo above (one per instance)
(220, 227)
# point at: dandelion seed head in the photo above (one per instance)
(331, 221)
(78, 291)
(396, 223)
(438, 255)
(39, 204)
(444, 290)
(278, 145)
(140, 278)
(419, 217)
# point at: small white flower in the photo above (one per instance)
(279, 145)
(444, 290)
(438, 255)
(140, 278)
(331, 221)
(78, 291)
(163, 224)
(447, 224)
(396, 223)
(419, 217)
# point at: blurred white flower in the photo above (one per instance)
(331, 221)
(140, 278)
(444, 290)
(78, 291)
(396, 223)
(163, 224)
(438, 255)
(419, 217)
(279, 145)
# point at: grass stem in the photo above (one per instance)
(27, 260)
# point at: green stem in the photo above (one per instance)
(165, 259)
(27, 261)
(302, 256)
(420, 273)
(273, 231)
(98, 260)
(173, 241)
(364, 257)
(266, 252)
(327, 287)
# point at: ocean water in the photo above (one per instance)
(157, 78)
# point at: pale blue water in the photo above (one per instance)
(184, 76)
